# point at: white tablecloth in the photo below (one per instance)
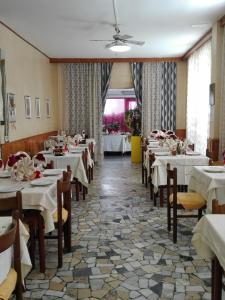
(209, 237)
(116, 143)
(79, 149)
(183, 163)
(74, 160)
(209, 185)
(41, 198)
(6, 256)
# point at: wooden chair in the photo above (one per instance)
(216, 270)
(84, 159)
(12, 206)
(90, 169)
(49, 165)
(151, 161)
(62, 216)
(183, 200)
(144, 174)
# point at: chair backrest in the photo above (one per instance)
(216, 208)
(151, 161)
(9, 238)
(91, 149)
(84, 158)
(64, 194)
(172, 183)
(10, 204)
(49, 165)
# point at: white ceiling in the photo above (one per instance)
(63, 28)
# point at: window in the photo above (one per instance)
(199, 76)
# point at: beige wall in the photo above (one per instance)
(181, 104)
(28, 72)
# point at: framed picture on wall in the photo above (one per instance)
(37, 107)
(212, 94)
(27, 102)
(11, 107)
(48, 108)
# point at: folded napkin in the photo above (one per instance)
(25, 168)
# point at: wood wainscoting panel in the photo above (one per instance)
(31, 145)
(181, 133)
(213, 147)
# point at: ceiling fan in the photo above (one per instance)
(120, 42)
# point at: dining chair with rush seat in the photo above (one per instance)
(13, 281)
(62, 216)
(180, 201)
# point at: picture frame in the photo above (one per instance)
(27, 102)
(48, 108)
(212, 94)
(37, 107)
(11, 108)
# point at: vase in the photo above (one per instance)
(136, 149)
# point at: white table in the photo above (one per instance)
(209, 185)
(40, 198)
(183, 163)
(74, 160)
(116, 143)
(209, 241)
(6, 256)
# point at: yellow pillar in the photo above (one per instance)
(136, 149)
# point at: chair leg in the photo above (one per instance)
(142, 174)
(41, 242)
(199, 214)
(146, 178)
(60, 246)
(67, 236)
(216, 293)
(161, 195)
(169, 217)
(32, 245)
(174, 224)
(154, 198)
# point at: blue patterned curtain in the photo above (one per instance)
(106, 69)
(136, 69)
(168, 95)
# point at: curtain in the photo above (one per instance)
(136, 70)
(222, 108)
(83, 105)
(106, 69)
(168, 96)
(151, 100)
(199, 76)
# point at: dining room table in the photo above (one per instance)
(6, 257)
(72, 159)
(184, 164)
(209, 182)
(116, 143)
(209, 242)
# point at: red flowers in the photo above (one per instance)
(40, 157)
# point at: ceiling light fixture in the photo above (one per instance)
(119, 47)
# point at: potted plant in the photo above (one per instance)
(133, 122)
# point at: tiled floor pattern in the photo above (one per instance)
(121, 247)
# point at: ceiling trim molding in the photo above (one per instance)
(205, 38)
(116, 60)
(22, 38)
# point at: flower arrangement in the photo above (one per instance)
(39, 159)
(133, 121)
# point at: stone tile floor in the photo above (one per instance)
(121, 247)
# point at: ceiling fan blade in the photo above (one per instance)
(122, 37)
(138, 43)
(110, 44)
(101, 40)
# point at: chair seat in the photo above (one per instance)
(189, 200)
(8, 285)
(64, 215)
